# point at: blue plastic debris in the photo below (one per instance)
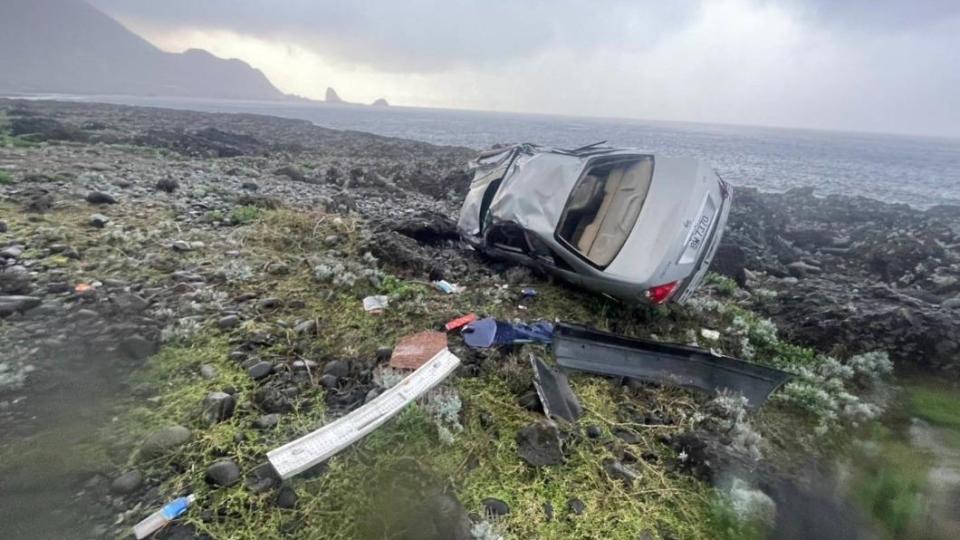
(490, 332)
(170, 511)
(176, 508)
(528, 292)
(446, 287)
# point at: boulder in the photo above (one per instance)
(495, 507)
(539, 444)
(137, 347)
(17, 304)
(99, 197)
(168, 185)
(217, 407)
(286, 498)
(99, 221)
(164, 440)
(223, 473)
(127, 482)
(267, 421)
(260, 370)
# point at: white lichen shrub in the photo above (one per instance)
(747, 350)
(727, 414)
(387, 377)
(763, 332)
(443, 406)
(236, 271)
(765, 294)
(749, 503)
(826, 389)
(870, 368)
(705, 304)
(485, 530)
(182, 330)
(13, 377)
(210, 299)
(164, 313)
(345, 273)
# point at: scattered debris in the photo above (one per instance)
(415, 350)
(376, 304)
(446, 287)
(170, 511)
(81, 288)
(490, 332)
(460, 322)
(712, 335)
(594, 351)
(314, 448)
(555, 393)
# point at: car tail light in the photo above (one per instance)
(662, 293)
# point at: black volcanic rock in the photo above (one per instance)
(851, 272)
(331, 96)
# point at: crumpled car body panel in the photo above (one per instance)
(519, 194)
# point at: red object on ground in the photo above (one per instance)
(415, 350)
(460, 322)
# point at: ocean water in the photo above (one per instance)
(919, 171)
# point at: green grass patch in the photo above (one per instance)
(241, 215)
(16, 142)
(5, 178)
(725, 524)
(379, 483)
(888, 479)
(722, 284)
(938, 405)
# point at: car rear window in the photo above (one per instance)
(604, 205)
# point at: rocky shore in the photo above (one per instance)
(197, 280)
(851, 274)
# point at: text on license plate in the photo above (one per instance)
(699, 232)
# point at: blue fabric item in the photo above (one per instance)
(508, 333)
(490, 332)
(480, 334)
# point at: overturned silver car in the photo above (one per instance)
(629, 224)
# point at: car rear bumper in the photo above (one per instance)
(689, 285)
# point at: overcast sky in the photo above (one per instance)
(866, 65)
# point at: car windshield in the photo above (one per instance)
(604, 205)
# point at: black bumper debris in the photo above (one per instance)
(584, 349)
(555, 393)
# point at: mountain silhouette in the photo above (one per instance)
(68, 46)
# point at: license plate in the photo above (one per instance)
(700, 232)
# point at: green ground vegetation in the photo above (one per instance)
(370, 487)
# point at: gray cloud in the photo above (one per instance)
(421, 35)
(879, 65)
(885, 16)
